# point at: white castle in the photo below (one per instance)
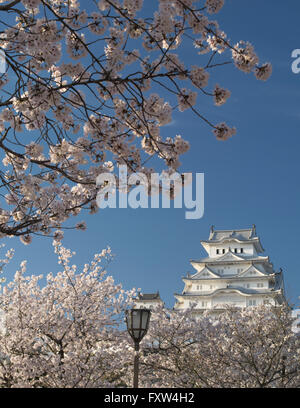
(232, 274)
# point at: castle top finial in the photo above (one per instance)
(212, 228)
(254, 229)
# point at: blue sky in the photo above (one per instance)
(251, 178)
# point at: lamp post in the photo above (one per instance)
(137, 321)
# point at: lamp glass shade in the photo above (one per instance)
(137, 321)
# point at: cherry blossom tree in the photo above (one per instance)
(64, 333)
(87, 90)
(240, 348)
(67, 330)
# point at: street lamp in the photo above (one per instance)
(137, 321)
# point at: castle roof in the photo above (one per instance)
(229, 289)
(229, 256)
(236, 235)
(148, 296)
(240, 234)
(235, 276)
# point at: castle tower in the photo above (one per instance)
(148, 301)
(234, 273)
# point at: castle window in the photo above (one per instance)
(252, 302)
(217, 251)
(242, 250)
(235, 250)
(223, 251)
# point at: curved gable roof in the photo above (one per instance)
(200, 273)
(253, 267)
(247, 235)
(241, 291)
(240, 234)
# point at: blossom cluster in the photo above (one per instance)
(235, 348)
(221, 95)
(85, 88)
(63, 333)
(66, 330)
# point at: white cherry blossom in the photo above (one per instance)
(84, 85)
